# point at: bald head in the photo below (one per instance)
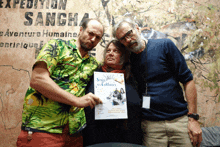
(90, 34)
(94, 21)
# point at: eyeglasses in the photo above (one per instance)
(129, 34)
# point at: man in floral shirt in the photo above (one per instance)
(53, 110)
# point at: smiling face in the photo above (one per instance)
(91, 35)
(112, 57)
(129, 37)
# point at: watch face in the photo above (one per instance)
(195, 116)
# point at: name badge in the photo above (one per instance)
(146, 102)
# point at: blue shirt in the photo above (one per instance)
(162, 66)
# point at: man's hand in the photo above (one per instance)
(88, 100)
(195, 132)
(41, 81)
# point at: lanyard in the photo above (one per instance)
(146, 71)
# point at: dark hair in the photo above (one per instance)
(124, 59)
(87, 20)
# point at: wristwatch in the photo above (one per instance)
(193, 115)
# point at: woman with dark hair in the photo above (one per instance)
(116, 60)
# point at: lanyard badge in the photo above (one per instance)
(146, 100)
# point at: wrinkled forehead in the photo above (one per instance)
(123, 29)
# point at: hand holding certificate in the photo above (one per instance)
(110, 88)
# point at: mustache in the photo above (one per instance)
(131, 43)
(85, 47)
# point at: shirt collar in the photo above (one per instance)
(72, 44)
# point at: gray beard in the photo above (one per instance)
(136, 48)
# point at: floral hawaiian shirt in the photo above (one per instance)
(72, 73)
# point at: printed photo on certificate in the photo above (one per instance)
(110, 88)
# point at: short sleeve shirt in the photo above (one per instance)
(72, 73)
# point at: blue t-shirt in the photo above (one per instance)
(162, 66)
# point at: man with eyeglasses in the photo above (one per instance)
(158, 67)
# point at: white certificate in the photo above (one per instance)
(110, 88)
